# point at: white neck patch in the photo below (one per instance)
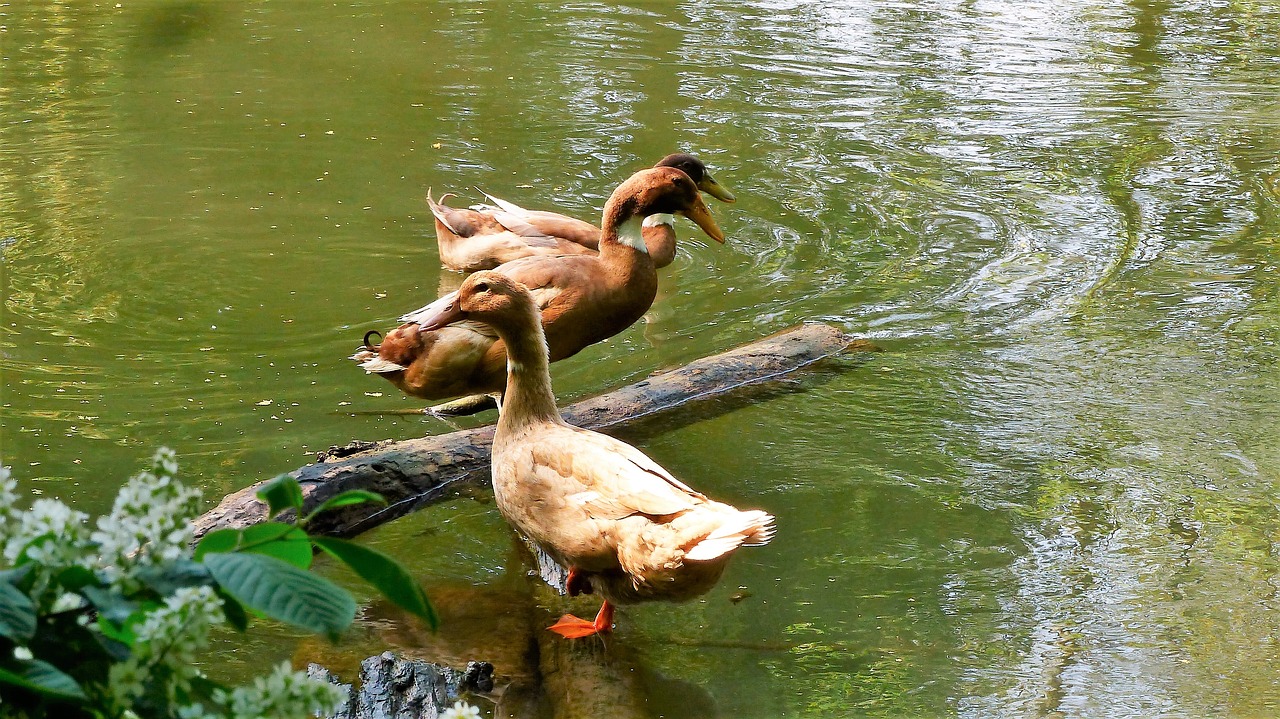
(662, 218)
(630, 234)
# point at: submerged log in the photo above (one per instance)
(413, 472)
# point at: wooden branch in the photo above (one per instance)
(414, 472)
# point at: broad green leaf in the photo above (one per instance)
(282, 493)
(165, 579)
(384, 573)
(219, 540)
(41, 677)
(17, 614)
(347, 498)
(282, 541)
(282, 591)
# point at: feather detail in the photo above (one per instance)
(427, 311)
(437, 210)
(749, 528)
(377, 365)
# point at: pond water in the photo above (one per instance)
(1054, 494)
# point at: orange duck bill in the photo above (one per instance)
(446, 315)
(701, 215)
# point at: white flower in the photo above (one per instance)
(125, 680)
(66, 602)
(284, 694)
(196, 711)
(461, 710)
(165, 461)
(51, 533)
(150, 522)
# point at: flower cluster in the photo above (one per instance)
(149, 526)
(150, 522)
(50, 534)
(168, 643)
(285, 693)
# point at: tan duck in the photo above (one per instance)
(623, 526)
(583, 298)
(485, 236)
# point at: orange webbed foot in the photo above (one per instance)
(571, 627)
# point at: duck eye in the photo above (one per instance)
(482, 287)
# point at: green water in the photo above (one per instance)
(1053, 495)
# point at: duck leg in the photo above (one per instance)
(571, 627)
(576, 583)
(473, 404)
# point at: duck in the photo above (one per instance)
(583, 298)
(624, 527)
(484, 236)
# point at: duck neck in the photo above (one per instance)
(528, 397)
(660, 238)
(627, 233)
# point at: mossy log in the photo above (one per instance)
(414, 472)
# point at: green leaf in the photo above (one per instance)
(384, 573)
(282, 493)
(41, 677)
(17, 614)
(219, 540)
(112, 605)
(115, 648)
(120, 633)
(282, 591)
(282, 541)
(73, 579)
(347, 498)
(165, 579)
(16, 576)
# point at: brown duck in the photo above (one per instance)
(485, 236)
(583, 299)
(623, 526)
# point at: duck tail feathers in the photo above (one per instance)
(751, 528)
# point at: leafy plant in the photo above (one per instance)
(108, 623)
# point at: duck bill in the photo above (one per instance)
(447, 316)
(702, 217)
(715, 189)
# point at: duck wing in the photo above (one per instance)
(545, 277)
(610, 479)
(548, 224)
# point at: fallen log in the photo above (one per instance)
(413, 472)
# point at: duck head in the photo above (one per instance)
(698, 172)
(489, 297)
(659, 190)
